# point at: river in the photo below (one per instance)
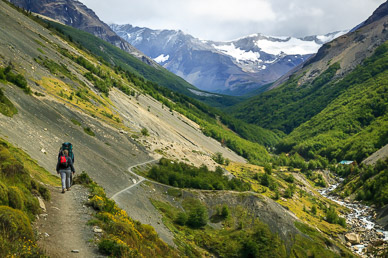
(360, 220)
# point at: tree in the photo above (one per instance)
(314, 209)
(268, 169)
(198, 217)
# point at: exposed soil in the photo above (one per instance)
(63, 229)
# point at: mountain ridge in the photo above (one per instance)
(232, 67)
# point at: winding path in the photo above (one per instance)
(140, 178)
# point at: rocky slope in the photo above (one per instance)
(46, 119)
(77, 15)
(234, 67)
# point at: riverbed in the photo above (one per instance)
(360, 221)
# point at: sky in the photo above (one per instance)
(225, 20)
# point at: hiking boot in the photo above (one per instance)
(63, 190)
(68, 189)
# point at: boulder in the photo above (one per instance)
(41, 204)
(353, 238)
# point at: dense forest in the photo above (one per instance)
(186, 176)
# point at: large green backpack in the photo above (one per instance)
(69, 147)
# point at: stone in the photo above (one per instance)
(353, 238)
(378, 242)
(348, 244)
(46, 235)
(75, 251)
(41, 204)
(97, 229)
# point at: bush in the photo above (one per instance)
(15, 223)
(181, 218)
(113, 247)
(97, 203)
(314, 209)
(32, 205)
(12, 168)
(44, 192)
(83, 179)
(225, 211)
(145, 132)
(89, 131)
(198, 217)
(15, 198)
(3, 194)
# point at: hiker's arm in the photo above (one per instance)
(57, 167)
(71, 166)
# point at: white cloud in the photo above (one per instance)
(229, 19)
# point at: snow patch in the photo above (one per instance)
(162, 58)
(293, 46)
(237, 53)
(330, 37)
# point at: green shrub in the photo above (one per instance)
(11, 168)
(113, 248)
(44, 192)
(32, 205)
(6, 106)
(15, 198)
(83, 179)
(15, 223)
(145, 132)
(225, 211)
(89, 131)
(3, 194)
(198, 217)
(181, 218)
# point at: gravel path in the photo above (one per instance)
(62, 229)
(140, 178)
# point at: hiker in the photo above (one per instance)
(67, 146)
(66, 169)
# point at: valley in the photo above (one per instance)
(160, 173)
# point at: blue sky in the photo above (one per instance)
(230, 19)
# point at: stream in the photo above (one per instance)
(360, 220)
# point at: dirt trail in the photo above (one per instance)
(140, 178)
(62, 229)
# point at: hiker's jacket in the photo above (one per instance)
(68, 167)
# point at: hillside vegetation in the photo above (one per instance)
(354, 125)
(20, 186)
(237, 135)
(338, 118)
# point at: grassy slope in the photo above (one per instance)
(355, 124)
(208, 118)
(20, 183)
(341, 118)
(229, 239)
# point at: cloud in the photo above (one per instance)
(229, 19)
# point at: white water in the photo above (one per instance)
(358, 212)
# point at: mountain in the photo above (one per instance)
(335, 104)
(75, 14)
(235, 67)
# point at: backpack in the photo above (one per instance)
(69, 147)
(63, 161)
